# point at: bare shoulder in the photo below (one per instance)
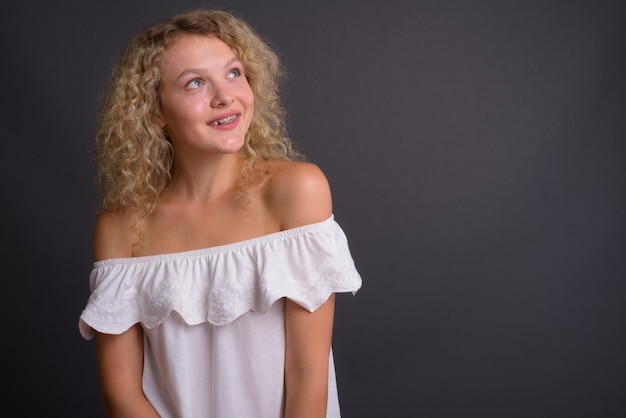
(112, 236)
(299, 193)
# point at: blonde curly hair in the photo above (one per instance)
(133, 155)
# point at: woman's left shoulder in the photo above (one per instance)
(296, 175)
(299, 193)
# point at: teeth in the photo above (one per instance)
(224, 121)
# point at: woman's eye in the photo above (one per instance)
(194, 84)
(234, 73)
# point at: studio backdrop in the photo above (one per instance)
(476, 154)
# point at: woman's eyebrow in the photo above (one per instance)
(204, 70)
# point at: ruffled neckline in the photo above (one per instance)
(218, 284)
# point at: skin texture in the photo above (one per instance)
(202, 207)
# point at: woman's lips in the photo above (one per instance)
(225, 120)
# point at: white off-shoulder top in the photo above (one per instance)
(213, 319)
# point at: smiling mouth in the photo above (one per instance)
(224, 121)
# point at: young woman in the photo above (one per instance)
(217, 256)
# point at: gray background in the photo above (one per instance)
(476, 155)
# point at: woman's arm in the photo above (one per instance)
(301, 196)
(119, 357)
(308, 336)
(120, 367)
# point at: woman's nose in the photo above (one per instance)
(222, 97)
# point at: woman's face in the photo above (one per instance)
(206, 101)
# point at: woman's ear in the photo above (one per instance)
(158, 119)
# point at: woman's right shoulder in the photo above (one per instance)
(112, 236)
